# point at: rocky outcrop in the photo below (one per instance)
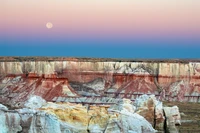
(151, 109)
(10, 122)
(70, 117)
(172, 118)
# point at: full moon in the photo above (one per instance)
(49, 25)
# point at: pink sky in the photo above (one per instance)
(101, 18)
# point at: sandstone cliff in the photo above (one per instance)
(83, 80)
(94, 89)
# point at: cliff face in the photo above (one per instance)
(94, 95)
(93, 80)
(97, 80)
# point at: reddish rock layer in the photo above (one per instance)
(97, 80)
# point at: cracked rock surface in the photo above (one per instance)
(49, 117)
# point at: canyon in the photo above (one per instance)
(92, 84)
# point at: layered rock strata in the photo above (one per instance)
(93, 80)
(95, 89)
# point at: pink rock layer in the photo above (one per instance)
(96, 81)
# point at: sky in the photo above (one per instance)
(100, 28)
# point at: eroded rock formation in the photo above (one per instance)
(94, 88)
(65, 79)
(37, 115)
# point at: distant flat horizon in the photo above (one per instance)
(148, 52)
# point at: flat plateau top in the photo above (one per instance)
(85, 59)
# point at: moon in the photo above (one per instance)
(49, 25)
